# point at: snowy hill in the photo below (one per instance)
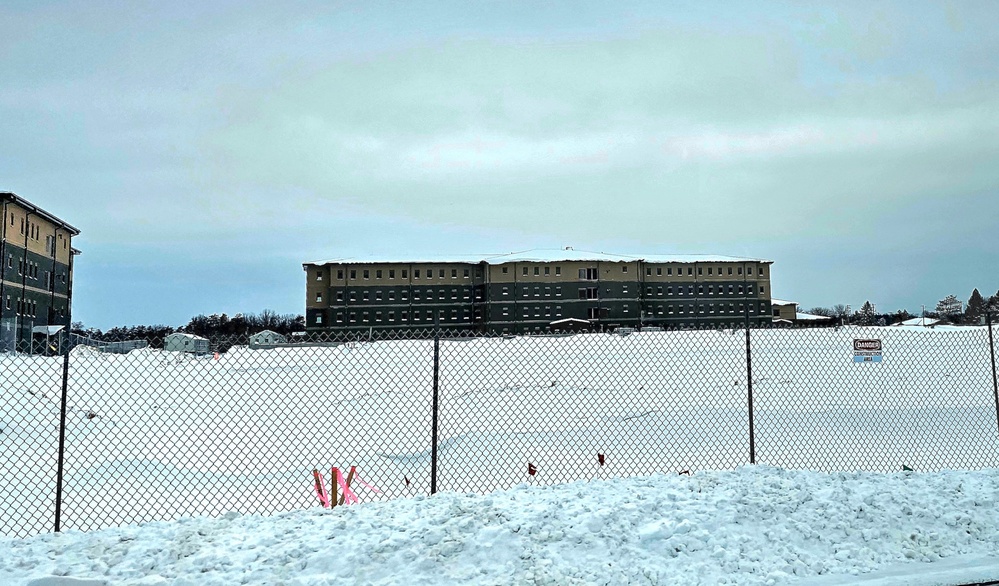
(754, 525)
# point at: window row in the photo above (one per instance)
(366, 317)
(526, 271)
(31, 271)
(538, 311)
(404, 295)
(403, 273)
(700, 271)
(25, 307)
(707, 309)
(703, 290)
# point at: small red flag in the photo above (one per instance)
(531, 469)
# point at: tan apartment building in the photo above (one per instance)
(525, 292)
(36, 290)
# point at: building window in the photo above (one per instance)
(558, 271)
(659, 271)
(404, 316)
(537, 271)
(740, 270)
(441, 295)
(558, 311)
(391, 273)
(319, 297)
(416, 273)
(403, 295)
(466, 273)
(454, 273)
(319, 318)
(624, 268)
(548, 271)
(625, 309)
(525, 271)
(378, 295)
(648, 271)
(588, 274)
(454, 293)
(416, 294)
(378, 316)
(749, 270)
(391, 316)
(440, 273)
(504, 269)
(405, 273)
(558, 291)
(690, 271)
(506, 290)
(588, 293)
(593, 313)
(506, 311)
(353, 274)
(749, 289)
(537, 291)
(548, 291)
(391, 295)
(319, 275)
(339, 317)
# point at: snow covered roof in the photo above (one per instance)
(919, 321)
(568, 320)
(543, 255)
(801, 316)
(184, 335)
(781, 302)
(47, 330)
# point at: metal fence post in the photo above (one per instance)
(62, 441)
(992, 353)
(433, 432)
(749, 377)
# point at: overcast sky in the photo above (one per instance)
(207, 149)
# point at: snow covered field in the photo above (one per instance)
(753, 525)
(156, 436)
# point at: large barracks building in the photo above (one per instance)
(537, 291)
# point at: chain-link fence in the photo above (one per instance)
(127, 431)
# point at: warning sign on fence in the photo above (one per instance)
(867, 350)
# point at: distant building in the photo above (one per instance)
(528, 292)
(784, 311)
(190, 343)
(37, 253)
(267, 339)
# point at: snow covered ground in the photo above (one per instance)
(172, 436)
(752, 525)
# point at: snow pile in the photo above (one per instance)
(754, 525)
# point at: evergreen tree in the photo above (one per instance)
(975, 308)
(950, 307)
(866, 315)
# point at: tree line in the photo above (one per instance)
(950, 309)
(212, 326)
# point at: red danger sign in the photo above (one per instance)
(867, 345)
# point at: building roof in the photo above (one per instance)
(567, 254)
(919, 321)
(20, 201)
(782, 302)
(801, 316)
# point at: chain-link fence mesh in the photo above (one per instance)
(163, 428)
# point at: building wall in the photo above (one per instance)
(35, 266)
(524, 297)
